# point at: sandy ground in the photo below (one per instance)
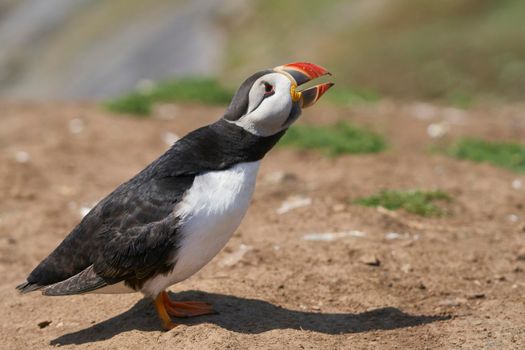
(389, 280)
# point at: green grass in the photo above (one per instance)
(460, 99)
(503, 154)
(140, 103)
(348, 96)
(333, 140)
(416, 202)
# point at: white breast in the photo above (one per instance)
(211, 210)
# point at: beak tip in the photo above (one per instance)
(303, 72)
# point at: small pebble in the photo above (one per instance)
(370, 259)
(406, 268)
(22, 157)
(392, 235)
(294, 202)
(452, 302)
(476, 296)
(437, 130)
(76, 126)
(43, 324)
(331, 236)
(338, 207)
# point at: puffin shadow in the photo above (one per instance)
(250, 316)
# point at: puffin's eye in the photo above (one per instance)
(268, 88)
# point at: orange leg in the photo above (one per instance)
(166, 308)
(167, 324)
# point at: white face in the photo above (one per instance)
(269, 106)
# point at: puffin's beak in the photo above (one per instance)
(300, 73)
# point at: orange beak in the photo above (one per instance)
(300, 73)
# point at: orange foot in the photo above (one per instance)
(166, 307)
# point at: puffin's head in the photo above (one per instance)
(271, 100)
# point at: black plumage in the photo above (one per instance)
(131, 235)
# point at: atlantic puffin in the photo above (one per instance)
(173, 217)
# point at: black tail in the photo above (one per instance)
(27, 287)
(83, 282)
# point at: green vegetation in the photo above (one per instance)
(334, 140)
(504, 154)
(347, 96)
(455, 51)
(207, 91)
(135, 103)
(416, 202)
(460, 99)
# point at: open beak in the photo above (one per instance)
(300, 73)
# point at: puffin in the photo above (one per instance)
(168, 221)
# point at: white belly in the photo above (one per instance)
(211, 211)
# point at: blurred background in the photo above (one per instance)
(398, 200)
(456, 51)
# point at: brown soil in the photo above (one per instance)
(443, 283)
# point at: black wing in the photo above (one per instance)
(130, 235)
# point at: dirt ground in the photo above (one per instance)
(388, 280)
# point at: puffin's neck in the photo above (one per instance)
(233, 140)
(217, 146)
